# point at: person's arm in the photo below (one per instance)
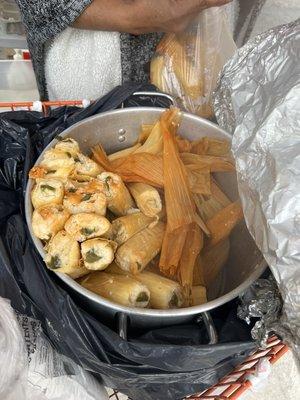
(142, 16)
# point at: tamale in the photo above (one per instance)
(87, 226)
(117, 288)
(147, 198)
(222, 223)
(63, 254)
(119, 200)
(164, 293)
(124, 228)
(135, 254)
(97, 253)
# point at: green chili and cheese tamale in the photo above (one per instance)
(63, 254)
(47, 191)
(124, 228)
(117, 288)
(86, 166)
(118, 197)
(147, 198)
(134, 255)
(68, 145)
(48, 220)
(87, 226)
(98, 253)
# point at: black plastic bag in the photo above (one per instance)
(166, 363)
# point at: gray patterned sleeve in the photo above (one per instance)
(46, 19)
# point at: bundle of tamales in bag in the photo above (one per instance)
(186, 65)
(147, 226)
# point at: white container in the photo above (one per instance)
(17, 81)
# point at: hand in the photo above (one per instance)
(142, 16)
(171, 15)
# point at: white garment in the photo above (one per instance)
(83, 64)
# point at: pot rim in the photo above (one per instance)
(188, 311)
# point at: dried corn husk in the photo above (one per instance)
(192, 247)
(171, 251)
(100, 156)
(124, 153)
(145, 131)
(154, 142)
(199, 181)
(218, 194)
(178, 197)
(211, 146)
(216, 164)
(184, 145)
(222, 223)
(141, 167)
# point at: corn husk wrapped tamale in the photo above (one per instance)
(222, 223)
(147, 198)
(118, 197)
(135, 254)
(117, 288)
(165, 293)
(198, 295)
(124, 228)
(199, 180)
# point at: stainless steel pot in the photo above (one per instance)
(117, 130)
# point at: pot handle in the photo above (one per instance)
(210, 327)
(122, 320)
(155, 95)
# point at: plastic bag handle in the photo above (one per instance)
(122, 320)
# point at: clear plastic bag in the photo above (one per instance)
(187, 65)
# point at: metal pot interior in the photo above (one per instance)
(117, 130)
